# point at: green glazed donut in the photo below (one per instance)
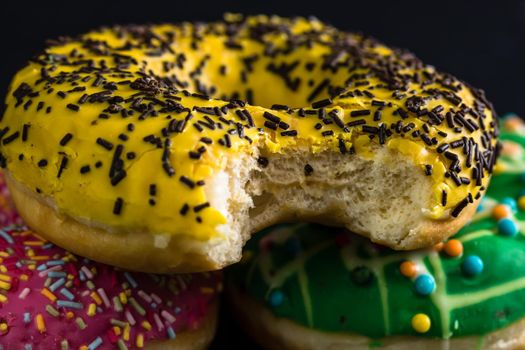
(336, 285)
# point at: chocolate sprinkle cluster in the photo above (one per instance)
(357, 86)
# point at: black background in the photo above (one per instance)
(480, 42)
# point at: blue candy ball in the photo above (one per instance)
(276, 298)
(507, 227)
(472, 265)
(425, 284)
(511, 203)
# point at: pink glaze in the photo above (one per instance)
(28, 264)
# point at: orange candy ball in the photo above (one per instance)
(453, 248)
(513, 123)
(510, 148)
(408, 269)
(501, 211)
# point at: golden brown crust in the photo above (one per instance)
(197, 339)
(278, 333)
(132, 251)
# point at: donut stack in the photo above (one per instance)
(134, 151)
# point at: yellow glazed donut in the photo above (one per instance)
(163, 148)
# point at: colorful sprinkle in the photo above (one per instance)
(501, 211)
(425, 284)
(472, 265)
(511, 203)
(168, 317)
(80, 323)
(135, 304)
(513, 123)
(70, 304)
(95, 343)
(24, 293)
(171, 333)
(65, 292)
(421, 323)
(507, 227)
(45, 292)
(131, 280)
(92, 310)
(408, 269)
(453, 248)
(276, 298)
(146, 325)
(521, 202)
(3, 328)
(121, 345)
(140, 341)
(40, 323)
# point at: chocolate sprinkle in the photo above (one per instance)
(117, 208)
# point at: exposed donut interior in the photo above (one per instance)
(381, 197)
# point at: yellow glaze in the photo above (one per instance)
(212, 59)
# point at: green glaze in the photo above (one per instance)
(312, 265)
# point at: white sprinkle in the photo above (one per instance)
(87, 272)
(45, 272)
(24, 293)
(144, 296)
(104, 297)
(157, 299)
(158, 322)
(129, 318)
(167, 316)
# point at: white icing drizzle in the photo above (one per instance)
(475, 235)
(305, 293)
(439, 296)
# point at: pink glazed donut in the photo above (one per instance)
(51, 299)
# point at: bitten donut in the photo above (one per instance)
(52, 299)
(162, 148)
(312, 287)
